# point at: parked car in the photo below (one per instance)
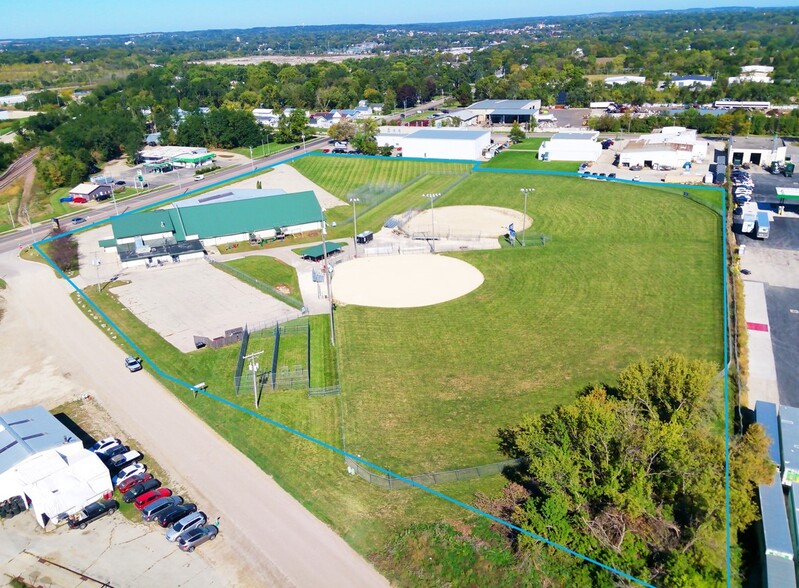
(104, 444)
(133, 363)
(173, 514)
(91, 513)
(120, 182)
(187, 523)
(112, 452)
(118, 462)
(612, 175)
(132, 481)
(131, 470)
(137, 490)
(189, 540)
(152, 510)
(151, 496)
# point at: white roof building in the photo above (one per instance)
(691, 81)
(45, 464)
(12, 99)
(444, 143)
(671, 148)
(573, 146)
(754, 73)
(621, 80)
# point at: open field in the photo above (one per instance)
(631, 272)
(529, 144)
(526, 160)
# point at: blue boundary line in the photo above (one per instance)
(385, 471)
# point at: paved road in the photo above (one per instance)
(24, 236)
(266, 529)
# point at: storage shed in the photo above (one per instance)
(574, 146)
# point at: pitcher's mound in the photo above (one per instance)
(403, 281)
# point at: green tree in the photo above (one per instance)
(290, 129)
(516, 133)
(342, 131)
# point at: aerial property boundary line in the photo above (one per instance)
(410, 482)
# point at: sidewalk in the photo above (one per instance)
(762, 368)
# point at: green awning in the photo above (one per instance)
(317, 252)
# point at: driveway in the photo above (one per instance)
(283, 546)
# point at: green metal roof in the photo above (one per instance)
(142, 223)
(108, 243)
(223, 218)
(252, 214)
(194, 158)
(318, 250)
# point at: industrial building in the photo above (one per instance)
(184, 230)
(757, 150)
(691, 81)
(621, 80)
(499, 112)
(44, 464)
(571, 146)
(436, 143)
(670, 148)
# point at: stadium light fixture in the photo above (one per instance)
(526, 192)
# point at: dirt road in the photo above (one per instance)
(276, 541)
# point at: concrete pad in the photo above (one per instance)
(403, 281)
(194, 298)
(762, 368)
(287, 178)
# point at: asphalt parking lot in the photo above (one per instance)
(775, 262)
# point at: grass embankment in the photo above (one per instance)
(10, 198)
(269, 272)
(365, 516)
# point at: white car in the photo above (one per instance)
(199, 177)
(104, 445)
(131, 470)
(187, 523)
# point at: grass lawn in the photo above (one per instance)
(529, 144)
(10, 197)
(271, 149)
(525, 160)
(268, 271)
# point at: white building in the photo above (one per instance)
(12, 99)
(572, 146)
(671, 148)
(266, 117)
(754, 73)
(621, 80)
(43, 463)
(437, 143)
(757, 150)
(692, 81)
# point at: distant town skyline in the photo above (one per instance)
(57, 18)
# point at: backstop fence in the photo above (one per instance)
(392, 483)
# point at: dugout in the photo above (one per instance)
(317, 252)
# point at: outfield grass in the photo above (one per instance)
(525, 160)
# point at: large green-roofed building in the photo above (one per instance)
(183, 231)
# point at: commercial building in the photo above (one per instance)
(760, 74)
(757, 150)
(47, 467)
(670, 148)
(499, 112)
(573, 146)
(436, 143)
(692, 81)
(85, 192)
(185, 229)
(177, 156)
(621, 80)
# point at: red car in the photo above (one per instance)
(129, 483)
(151, 496)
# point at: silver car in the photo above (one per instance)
(187, 523)
(191, 539)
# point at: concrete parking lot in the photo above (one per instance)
(102, 555)
(193, 298)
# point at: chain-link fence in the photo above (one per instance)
(392, 483)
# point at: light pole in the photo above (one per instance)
(526, 192)
(304, 150)
(30, 224)
(327, 280)
(432, 197)
(252, 161)
(355, 225)
(114, 198)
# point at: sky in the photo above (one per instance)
(23, 19)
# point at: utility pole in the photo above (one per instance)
(30, 224)
(11, 216)
(432, 197)
(252, 161)
(327, 280)
(355, 225)
(526, 192)
(254, 370)
(96, 263)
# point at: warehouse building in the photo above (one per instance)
(45, 467)
(574, 146)
(185, 229)
(669, 149)
(757, 150)
(436, 143)
(500, 112)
